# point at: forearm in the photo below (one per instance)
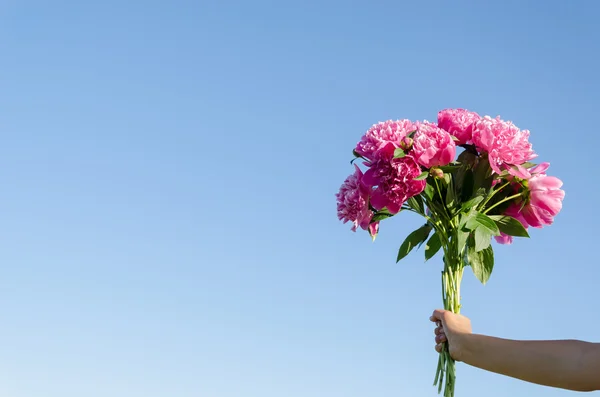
(569, 364)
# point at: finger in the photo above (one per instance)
(438, 348)
(441, 338)
(438, 330)
(437, 315)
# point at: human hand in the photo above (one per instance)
(451, 328)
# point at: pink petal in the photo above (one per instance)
(504, 239)
(546, 182)
(393, 207)
(519, 172)
(494, 166)
(530, 214)
(374, 229)
(364, 218)
(370, 178)
(540, 168)
(550, 200)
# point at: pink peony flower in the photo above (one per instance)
(513, 211)
(542, 205)
(394, 181)
(458, 122)
(505, 144)
(433, 146)
(353, 201)
(545, 197)
(388, 133)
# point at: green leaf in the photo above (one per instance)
(468, 156)
(381, 215)
(483, 174)
(509, 225)
(482, 220)
(466, 186)
(399, 153)
(483, 238)
(482, 263)
(415, 238)
(462, 240)
(466, 218)
(433, 246)
(422, 176)
(429, 191)
(472, 203)
(356, 156)
(416, 203)
(411, 134)
(450, 168)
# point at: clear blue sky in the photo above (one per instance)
(169, 168)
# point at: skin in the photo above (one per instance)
(566, 364)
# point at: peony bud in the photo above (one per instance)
(406, 143)
(374, 229)
(436, 173)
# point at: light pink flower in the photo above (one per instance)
(545, 197)
(388, 133)
(433, 146)
(353, 201)
(513, 211)
(543, 203)
(506, 145)
(394, 182)
(458, 122)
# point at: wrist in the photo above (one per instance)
(463, 347)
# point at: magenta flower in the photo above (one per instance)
(380, 135)
(459, 123)
(353, 201)
(506, 145)
(433, 146)
(394, 182)
(545, 197)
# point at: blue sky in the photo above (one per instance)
(169, 170)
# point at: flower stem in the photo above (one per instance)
(437, 186)
(503, 201)
(451, 279)
(493, 193)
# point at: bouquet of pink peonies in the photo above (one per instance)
(490, 190)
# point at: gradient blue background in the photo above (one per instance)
(168, 175)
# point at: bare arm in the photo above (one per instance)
(566, 364)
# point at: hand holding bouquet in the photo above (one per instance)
(490, 190)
